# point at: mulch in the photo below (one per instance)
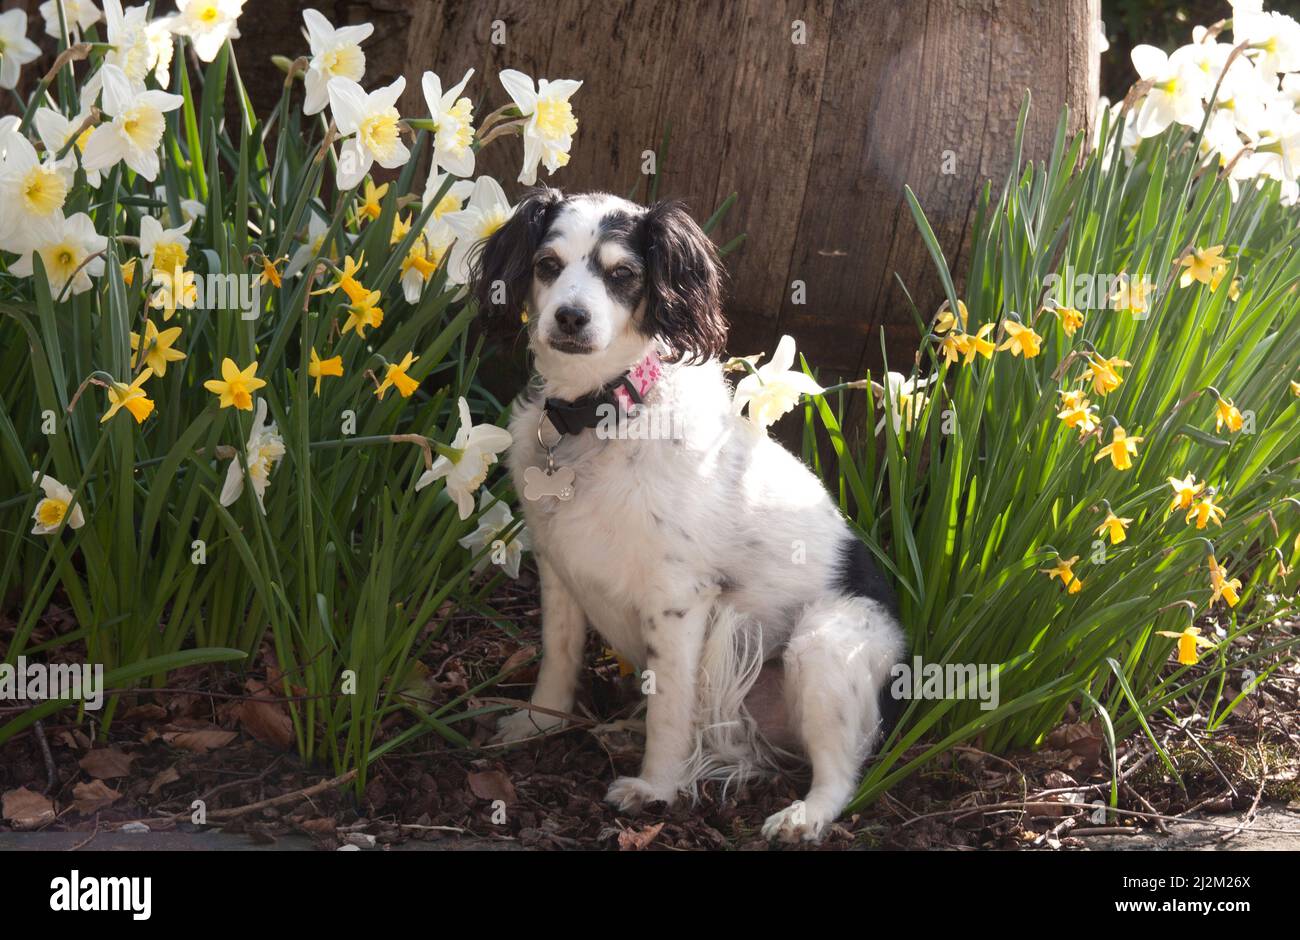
(226, 740)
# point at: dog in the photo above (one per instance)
(704, 556)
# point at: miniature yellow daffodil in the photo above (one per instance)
(1104, 373)
(157, 349)
(397, 377)
(131, 397)
(1188, 640)
(318, 368)
(370, 207)
(1225, 412)
(1064, 569)
(364, 314)
(1222, 586)
(1185, 491)
(1115, 527)
(1021, 339)
(1070, 319)
(1121, 450)
(1204, 510)
(1202, 264)
(236, 386)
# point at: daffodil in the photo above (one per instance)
(69, 252)
(1021, 339)
(1202, 264)
(1115, 527)
(348, 280)
(1132, 296)
(236, 386)
(163, 249)
(1077, 412)
(312, 246)
(1222, 586)
(453, 123)
(1295, 388)
(1121, 450)
(420, 263)
(952, 347)
(493, 524)
(177, 288)
(1104, 373)
(944, 322)
(160, 39)
(908, 401)
(1185, 491)
(1188, 641)
(128, 42)
(369, 121)
(398, 376)
(131, 397)
(974, 344)
(208, 24)
(318, 368)
(1272, 38)
(1204, 510)
(550, 123)
(128, 271)
(136, 128)
(16, 50)
(1178, 92)
(335, 53)
(364, 314)
(263, 451)
(271, 271)
(33, 193)
(78, 16)
(1225, 412)
(57, 132)
(53, 509)
(157, 349)
(775, 388)
(474, 451)
(370, 207)
(1064, 569)
(485, 212)
(453, 200)
(1070, 319)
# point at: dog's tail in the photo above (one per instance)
(729, 745)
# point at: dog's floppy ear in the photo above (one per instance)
(502, 266)
(683, 284)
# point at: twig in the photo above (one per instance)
(51, 772)
(221, 815)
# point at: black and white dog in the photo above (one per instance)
(698, 554)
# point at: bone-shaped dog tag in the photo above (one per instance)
(557, 483)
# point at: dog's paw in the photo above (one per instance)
(629, 794)
(523, 724)
(796, 823)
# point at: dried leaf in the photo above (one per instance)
(105, 763)
(200, 742)
(492, 785)
(162, 778)
(267, 721)
(89, 798)
(634, 840)
(26, 809)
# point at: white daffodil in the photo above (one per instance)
(33, 192)
(453, 121)
(167, 249)
(775, 388)
(67, 255)
(128, 39)
(907, 400)
(549, 130)
(453, 200)
(78, 16)
(208, 24)
(16, 50)
(1277, 151)
(53, 509)
(264, 449)
(1273, 38)
(487, 210)
(160, 35)
(370, 122)
(493, 523)
(56, 131)
(428, 251)
(136, 128)
(477, 447)
(335, 53)
(311, 248)
(1177, 95)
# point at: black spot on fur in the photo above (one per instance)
(857, 575)
(683, 286)
(673, 612)
(651, 652)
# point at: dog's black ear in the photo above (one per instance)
(502, 266)
(683, 284)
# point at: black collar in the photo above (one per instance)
(573, 417)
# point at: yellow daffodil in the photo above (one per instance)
(976, 345)
(271, 271)
(1064, 569)
(419, 265)
(318, 368)
(397, 377)
(128, 272)
(1104, 373)
(952, 347)
(370, 207)
(1202, 264)
(131, 397)
(1132, 296)
(1021, 339)
(1222, 586)
(1225, 412)
(1070, 319)
(1185, 491)
(401, 228)
(1204, 510)
(1115, 527)
(236, 386)
(347, 280)
(1077, 412)
(1121, 450)
(364, 314)
(1188, 640)
(945, 321)
(157, 349)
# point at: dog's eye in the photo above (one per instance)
(622, 273)
(547, 267)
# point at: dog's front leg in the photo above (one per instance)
(564, 632)
(674, 641)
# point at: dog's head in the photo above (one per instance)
(602, 278)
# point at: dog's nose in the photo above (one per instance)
(571, 320)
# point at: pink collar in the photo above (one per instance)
(643, 377)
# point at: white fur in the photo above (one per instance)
(697, 558)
